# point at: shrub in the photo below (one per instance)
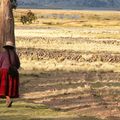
(28, 18)
(24, 19)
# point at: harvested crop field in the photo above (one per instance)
(77, 75)
(70, 66)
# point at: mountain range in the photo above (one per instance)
(70, 4)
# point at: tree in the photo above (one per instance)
(28, 18)
(24, 19)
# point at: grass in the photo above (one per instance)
(73, 18)
(27, 111)
(80, 45)
(30, 111)
(69, 66)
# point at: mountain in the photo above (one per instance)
(70, 4)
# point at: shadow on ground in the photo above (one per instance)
(74, 91)
(42, 81)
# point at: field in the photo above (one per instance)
(70, 66)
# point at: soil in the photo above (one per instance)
(85, 93)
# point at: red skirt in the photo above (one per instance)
(8, 86)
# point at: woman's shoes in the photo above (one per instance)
(9, 103)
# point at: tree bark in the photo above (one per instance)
(6, 23)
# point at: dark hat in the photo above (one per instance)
(9, 44)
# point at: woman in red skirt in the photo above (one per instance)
(9, 84)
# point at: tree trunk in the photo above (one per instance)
(6, 23)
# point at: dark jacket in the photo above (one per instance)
(4, 59)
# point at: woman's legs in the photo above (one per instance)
(7, 98)
(8, 101)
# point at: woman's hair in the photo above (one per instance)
(14, 4)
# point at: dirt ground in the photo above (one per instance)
(82, 93)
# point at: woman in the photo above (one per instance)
(9, 85)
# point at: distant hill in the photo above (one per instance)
(70, 4)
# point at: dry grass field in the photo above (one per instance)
(70, 66)
(73, 18)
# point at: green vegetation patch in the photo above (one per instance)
(26, 111)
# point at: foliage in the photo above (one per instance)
(14, 3)
(28, 18)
